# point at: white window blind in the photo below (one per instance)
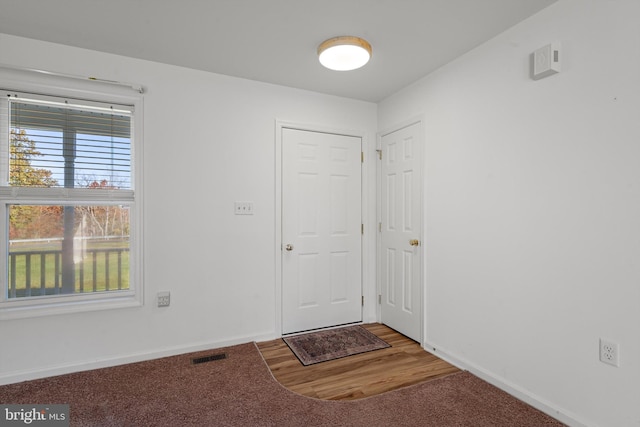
(80, 144)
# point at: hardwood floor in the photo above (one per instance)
(358, 376)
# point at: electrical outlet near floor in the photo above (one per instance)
(609, 353)
(164, 299)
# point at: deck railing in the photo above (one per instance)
(100, 270)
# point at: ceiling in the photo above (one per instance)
(275, 41)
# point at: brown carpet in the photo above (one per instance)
(240, 391)
(322, 346)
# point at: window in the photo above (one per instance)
(67, 205)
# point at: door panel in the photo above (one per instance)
(321, 220)
(401, 262)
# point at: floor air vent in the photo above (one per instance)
(210, 358)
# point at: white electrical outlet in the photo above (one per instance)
(609, 353)
(164, 299)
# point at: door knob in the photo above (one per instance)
(414, 242)
(288, 247)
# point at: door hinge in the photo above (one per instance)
(379, 298)
(363, 300)
(362, 157)
(380, 227)
(379, 154)
(362, 229)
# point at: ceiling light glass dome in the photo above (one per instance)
(344, 53)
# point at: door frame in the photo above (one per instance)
(420, 120)
(368, 238)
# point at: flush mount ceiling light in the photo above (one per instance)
(344, 53)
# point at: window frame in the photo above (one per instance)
(89, 92)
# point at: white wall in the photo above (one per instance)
(209, 141)
(533, 209)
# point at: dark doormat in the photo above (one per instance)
(322, 346)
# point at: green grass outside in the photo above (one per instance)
(83, 270)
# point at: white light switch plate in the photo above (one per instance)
(243, 208)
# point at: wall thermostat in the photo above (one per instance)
(546, 61)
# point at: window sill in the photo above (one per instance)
(10, 310)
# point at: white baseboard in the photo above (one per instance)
(27, 375)
(508, 387)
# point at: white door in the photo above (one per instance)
(401, 230)
(321, 230)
